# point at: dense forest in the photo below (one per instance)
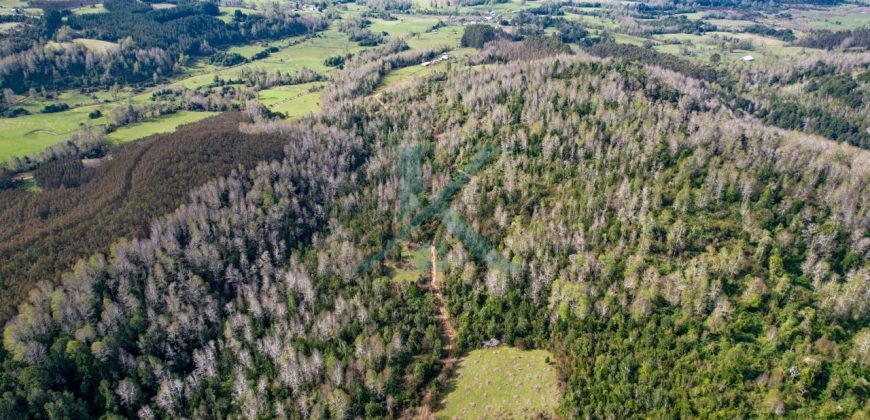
(152, 44)
(224, 290)
(684, 236)
(45, 233)
(676, 259)
(858, 38)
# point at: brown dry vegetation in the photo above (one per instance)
(44, 233)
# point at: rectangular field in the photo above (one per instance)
(502, 382)
(162, 124)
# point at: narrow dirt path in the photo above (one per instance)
(443, 315)
(425, 411)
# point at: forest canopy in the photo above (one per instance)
(704, 265)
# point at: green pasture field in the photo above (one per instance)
(703, 52)
(73, 98)
(96, 44)
(248, 50)
(293, 101)
(404, 25)
(593, 22)
(290, 58)
(398, 76)
(162, 124)
(701, 47)
(509, 6)
(415, 261)
(502, 382)
(448, 36)
(729, 23)
(87, 10)
(28, 135)
(848, 16)
(31, 134)
(629, 39)
(693, 15)
(448, 7)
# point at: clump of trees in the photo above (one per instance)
(477, 35)
(227, 59)
(67, 172)
(786, 35)
(826, 39)
(653, 57)
(530, 48)
(357, 30)
(534, 22)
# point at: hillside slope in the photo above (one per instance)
(675, 259)
(45, 233)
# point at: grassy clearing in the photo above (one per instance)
(289, 58)
(310, 53)
(509, 6)
(414, 262)
(404, 25)
(628, 39)
(701, 47)
(448, 7)
(96, 45)
(593, 22)
(693, 15)
(833, 18)
(758, 40)
(293, 101)
(448, 36)
(502, 382)
(73, 98)
(88, 10)
(403, 74)
(249, 50)
(407, 73)
(163, 124)
(729, 23)
(28, 135)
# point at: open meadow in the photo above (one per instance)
(502, 382)
(293, 101)
(413, 263)
(162, 124)
(30, 134)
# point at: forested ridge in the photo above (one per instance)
(679, 260)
